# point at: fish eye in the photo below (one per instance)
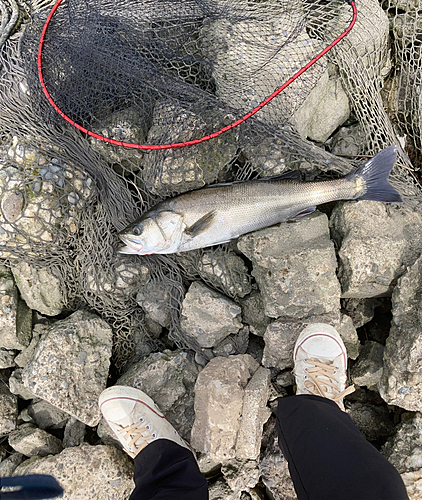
(136, 231)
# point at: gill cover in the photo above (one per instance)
(160, 233)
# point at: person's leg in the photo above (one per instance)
(165, 466)
(328, 457)
(165, 470)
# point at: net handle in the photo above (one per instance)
(194, 141)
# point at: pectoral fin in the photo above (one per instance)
(201, 224)
(301, 214)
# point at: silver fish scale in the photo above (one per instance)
(245, 207)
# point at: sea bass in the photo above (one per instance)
(220, 213)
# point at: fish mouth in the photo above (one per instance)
(132, 246)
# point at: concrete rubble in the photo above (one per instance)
(219, 399)
(216, 327)
(74, 353)
(32, 441)
(109, 475)
(207, 316)
(401, 380)
(377, 242)
(168, 378)
(295, 267)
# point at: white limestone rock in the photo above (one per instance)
(219, 399)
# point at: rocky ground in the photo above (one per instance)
(355, 265)
(358, 269)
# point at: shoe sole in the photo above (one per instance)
(321, 329)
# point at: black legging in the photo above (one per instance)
(329, 459)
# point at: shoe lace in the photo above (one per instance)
(135, 435)
(320, 378)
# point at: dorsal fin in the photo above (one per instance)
(291, 175)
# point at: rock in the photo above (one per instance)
(207, 316)
(373, 421)
(128, 125)
(23, 322)
(74, 433)
(8, 466)
(218, 267)
(122, 278)
(16, 385)
(294, 265)
(208, 467)
(39, 288)
(219, 393)
(236, 50)
(413, 483)
(404, 449)
(285, 379)
(7, 358)
(254, 415)
(24, 416)
(349, 335)
(256, 347)
(368, 369)
(360, 310)
(171, 170)
(241, 475)
(281, 337)
(29, 210)
(253, 313)
(219, 490)
(110, 472)
(233, 344)
(31, 441)
(47, 416)
(8, 409)
(11, 335)
(155, 300)
(74, 354)
(376, 244)
(325, 109)
(401, 380)
(348, 141)
(267, 153)
(275, 471)
(369, 36)
(168, 378)
(226, 271)
(26, 354)
(107, 436)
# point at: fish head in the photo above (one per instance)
(158, 233)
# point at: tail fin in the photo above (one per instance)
(375, 173)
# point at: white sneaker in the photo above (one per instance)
(135, 419)
(320, 363)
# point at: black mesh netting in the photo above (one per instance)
(162, 72)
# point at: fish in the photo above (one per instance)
(220, 213)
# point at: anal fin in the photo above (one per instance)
(302, 213)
